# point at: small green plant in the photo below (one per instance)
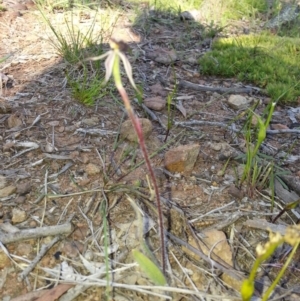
(253, 170)
(292, 237)
(3, 59)
(70, 45)
(86, 88)
(212, 30)
(73, 41)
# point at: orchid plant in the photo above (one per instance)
(112, 66)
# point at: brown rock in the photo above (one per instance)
(93, 121)
(217, 240)
(4, 260)
(92, 169)
(279, 126)
(155, 103)
(20, 199)
(5, 106)
(85, 158)
(24, 249)
(128, 132)
(24, 188)
(81, 233)
(74, 155)
(30, 4)
(157, 89)
(18, 216)
(7, 146)
(72, 249)
(53, 123)
(14, 120)
(33, 224)
(9, 190)
(84, 182)
(235, 192)
(162, 56)
(182, 158)
(55, 166)
(238, 102)
(19, 7)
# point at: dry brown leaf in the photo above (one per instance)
(14, 120)
(157, 89)
(156, 103)
(55, 292)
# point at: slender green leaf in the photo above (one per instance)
(150, 269)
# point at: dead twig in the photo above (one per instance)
(221, 90)
(95, 132)
(37, 259)
(262, 224)
(7, 238)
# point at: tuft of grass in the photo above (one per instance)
(86, 88)
(270, 62)
(70, 41)
(238, 9)
(74, 42)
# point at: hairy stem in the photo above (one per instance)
(138, 129)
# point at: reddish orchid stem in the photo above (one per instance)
(137, 126)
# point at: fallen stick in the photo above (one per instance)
(262, 224)
(38, 258)
(224, 125)
(221, 90)
(6, 238)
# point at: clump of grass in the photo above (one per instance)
(70, 42)
(175, 5)
(237, 9)
(75, 42)
(86, 88)
(270, 62)
(252, 151)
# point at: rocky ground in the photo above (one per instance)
(63, 163)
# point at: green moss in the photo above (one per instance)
(271, 62)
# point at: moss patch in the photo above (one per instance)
(271, 62)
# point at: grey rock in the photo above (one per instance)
(238, 102)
